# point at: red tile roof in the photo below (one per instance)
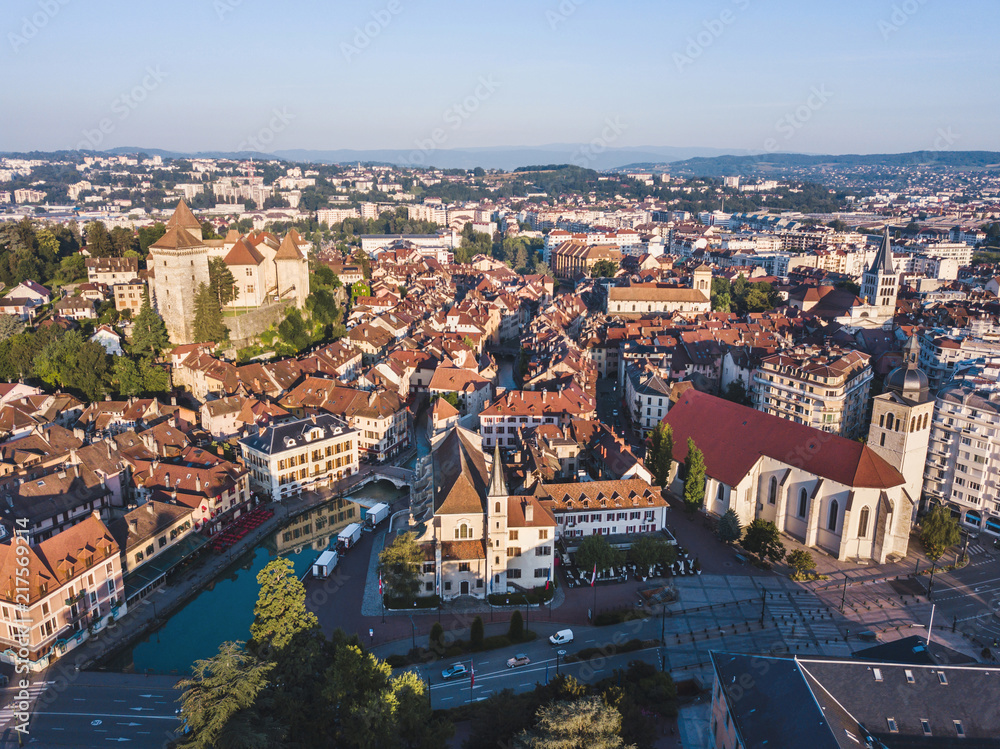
(734, 437)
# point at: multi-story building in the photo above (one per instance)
(59, 591)
(823, 388)
(963, 453)
(111, 270)
(574, 259)
(381, 417)
(502, 421)
(939, 353)
(287, 459)
(478, 539)
(604, 508)
(647, 398)
(129, 295)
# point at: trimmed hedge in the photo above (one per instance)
(626, 647)
(535, 596)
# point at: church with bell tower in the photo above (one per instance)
(880, 284)
(901, 421)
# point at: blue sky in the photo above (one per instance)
(853, 76)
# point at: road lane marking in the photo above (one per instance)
(110, 715)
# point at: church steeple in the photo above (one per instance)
(498, 484)
(883, 258)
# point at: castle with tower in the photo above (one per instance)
(264, 270)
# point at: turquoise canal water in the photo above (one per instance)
(224, 609)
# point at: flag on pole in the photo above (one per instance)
(593, 576)
(546, 585)
(472, 674)
(380, 583)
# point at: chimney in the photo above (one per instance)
(133, 526)
(149, 507)
(96, 514)
(167, 479)
(76, 470)
(529, 511)
(260, 432)
(197, 483)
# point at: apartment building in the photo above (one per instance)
(502, 421)
(963, 452)
(647, 398)
(940, 352)
(73, 587)
(825, 388)
(573, 259)
(287, 459)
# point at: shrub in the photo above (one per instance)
(476, 633)
(516, 630)
(436, 638)
(397, 661)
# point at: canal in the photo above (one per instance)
(224, 609)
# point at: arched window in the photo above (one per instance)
(496, 508)
(881, 420)
(834, 511)
(463, 531)
(863, 523)
(772, 491)
(803, 502)
(721, 494)
(913, 424)
(926, 417)
(888, 422)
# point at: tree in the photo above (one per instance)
(222, 703)
(763, 540)
(150, 234)
(10, 326)
(476, 633)
(280, 613)
(294, 332)
(122, 240)
(721, 295)
(149, 333)
(801, 561)
(415, 726)
(595, 550)
(401, 562)
(588, 722)
(938, 532)
(694, 478)
(604, 269)
(98, 239)
(646, 551)
(730, 528)
(516, 629)
(155, 379)
(435, 640)
(737, 393)
(126, 376)
(220, 278)
(661, 452)
(208, 325)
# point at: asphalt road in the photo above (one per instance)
(99, 709)
(967, 600)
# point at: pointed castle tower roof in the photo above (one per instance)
(183, 218)
(498, 484)
(288, 250)
(883, 258)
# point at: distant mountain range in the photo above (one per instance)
(707, 162)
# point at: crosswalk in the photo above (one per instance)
(13, 709)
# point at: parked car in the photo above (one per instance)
(518, 660)
(562, 637)
(455, 671)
